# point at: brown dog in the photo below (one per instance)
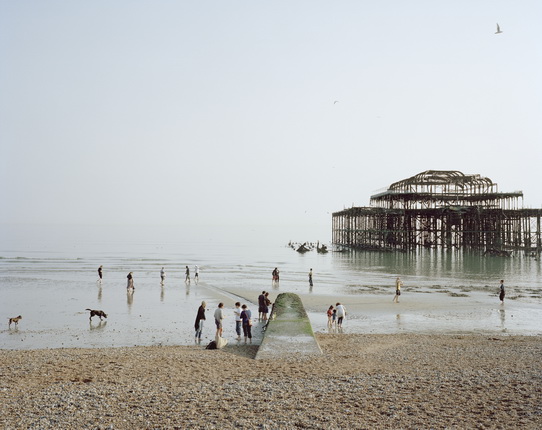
(94, 312)
(15, 320)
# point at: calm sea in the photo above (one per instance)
(48, 274)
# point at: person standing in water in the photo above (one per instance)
(130, 283)
(341, 313)
(310, 277)
(162, 276)
(398, 285)
(196, 274)
(100, 274)
(330, 316)
(502, 292)
(187, 277)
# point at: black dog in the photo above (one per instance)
(97, 313)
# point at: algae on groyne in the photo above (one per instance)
(289, 331)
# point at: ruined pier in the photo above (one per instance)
(441, 209)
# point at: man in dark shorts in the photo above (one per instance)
(100, 274)
(502, 292)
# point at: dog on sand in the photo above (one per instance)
(94, 312)
(15, 320)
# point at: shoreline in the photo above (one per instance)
(147, 320)
(361, 381)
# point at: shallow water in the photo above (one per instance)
(49, 276)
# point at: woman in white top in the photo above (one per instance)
(341, 313)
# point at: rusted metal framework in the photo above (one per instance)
(445, 209)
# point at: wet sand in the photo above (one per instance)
(161, 316)
(361, 381)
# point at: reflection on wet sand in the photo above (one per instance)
(130, 297)
(100, 326)
(502, 315)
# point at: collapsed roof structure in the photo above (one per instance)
(441, 208)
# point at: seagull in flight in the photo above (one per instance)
(498, 29)
(335, 102)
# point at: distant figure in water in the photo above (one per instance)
(162, 276)
(502, 292)
(196, 274)
(100, 274)
(310, 277)
(187, 273)
(398, 285)
(130, 283)
(275, 275)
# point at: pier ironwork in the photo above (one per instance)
(446, 209)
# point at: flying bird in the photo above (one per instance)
(498, 29)
(335, 102)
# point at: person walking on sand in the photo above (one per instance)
(100, 274)
(398, 285)
(219, 316)
(162, 276)
(310, 277)
(341, 313)
(246, 317)
(330, 318)
(187, 275)
(196, 274)
(238, 321)
(200, 317)
(261, 305)
(502, 292)
(130, 283)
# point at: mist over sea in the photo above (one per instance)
(48, 274)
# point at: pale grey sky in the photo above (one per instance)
(164, 112)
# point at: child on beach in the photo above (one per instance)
(330, 316)
(334, 317)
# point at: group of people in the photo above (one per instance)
(243, 321)
(130, 276)
(336, 315)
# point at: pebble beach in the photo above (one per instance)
(360, 381)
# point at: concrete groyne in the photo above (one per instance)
(289, 331)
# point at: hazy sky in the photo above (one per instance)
(165, 112)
